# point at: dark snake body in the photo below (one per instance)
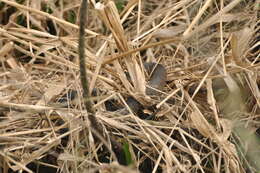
(157, 79)
(156, 82)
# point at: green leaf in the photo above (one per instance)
(128, 156)
(120, 5)
(71, 17)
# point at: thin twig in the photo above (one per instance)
(96, 127)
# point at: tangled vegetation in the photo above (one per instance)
(206, 118)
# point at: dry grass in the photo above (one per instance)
(209, 48)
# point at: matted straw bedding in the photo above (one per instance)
(209, 48)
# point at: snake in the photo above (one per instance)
(157, 76)
(156, 82)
